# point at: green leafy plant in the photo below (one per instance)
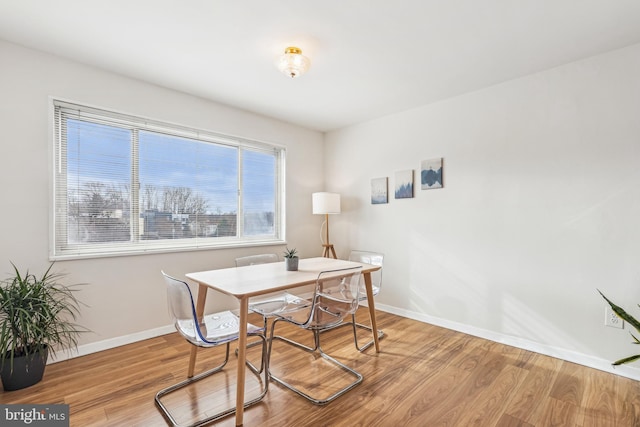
(621, 313)
(291, 253)
(36, 314)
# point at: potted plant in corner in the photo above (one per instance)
(291, 259)
(36, 318)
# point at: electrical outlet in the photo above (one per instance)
(612, 319)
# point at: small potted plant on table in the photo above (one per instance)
(36, 317)
(291, 259)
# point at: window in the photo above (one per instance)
(125, 185)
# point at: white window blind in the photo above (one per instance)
(125, 184)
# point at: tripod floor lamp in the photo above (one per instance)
(326, 204)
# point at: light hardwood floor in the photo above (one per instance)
(423, 376)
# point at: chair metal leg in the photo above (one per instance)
(316, 349)
(355, 325)
(292, 342)
(167, 414)
(366, 328)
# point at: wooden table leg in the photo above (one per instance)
(372, 309)
(242, 357)
(202, 298)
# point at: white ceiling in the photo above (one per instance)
(369, 58)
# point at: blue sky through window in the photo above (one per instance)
(103, 153)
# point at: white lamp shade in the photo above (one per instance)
(326, 203)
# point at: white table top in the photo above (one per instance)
(262, 279)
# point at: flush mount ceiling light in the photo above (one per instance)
(293, 63)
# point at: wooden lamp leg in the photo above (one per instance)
(328, 250)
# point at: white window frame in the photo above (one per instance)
(60, 249)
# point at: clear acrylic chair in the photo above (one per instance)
(373, 258)
(335, 297)
(256, 259)
(214, 330)
(279, 302)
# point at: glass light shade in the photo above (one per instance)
(326, 203)
(293, 63)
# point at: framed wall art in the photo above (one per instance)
(431, 174)
(404, 184)
(379, 190)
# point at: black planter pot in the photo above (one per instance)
(27, 370)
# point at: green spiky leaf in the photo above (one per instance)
(626, 360)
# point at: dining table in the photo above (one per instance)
(258, 280)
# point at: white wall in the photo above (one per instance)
(125, 295)
(541, 206)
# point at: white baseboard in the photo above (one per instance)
(557, 352)
(107, 344)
